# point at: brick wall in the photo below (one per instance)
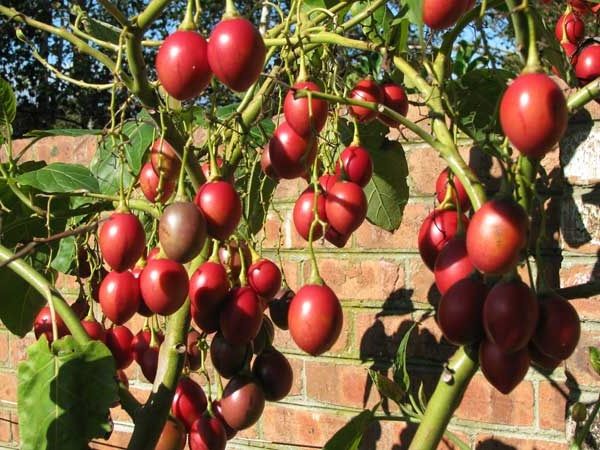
(382, 284)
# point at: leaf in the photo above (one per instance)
(595, 359)
(377, 26)
(64, 394)
(20, 303)
(8, 104)
(387, 192)
(400, 372)
(141, 135)
(60, 177)
(101, 30)
(71, 132)
(258, 190)
(350, 435)
(386, 387)
(64, 261)
(415, 11)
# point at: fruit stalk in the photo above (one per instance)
(444, 401)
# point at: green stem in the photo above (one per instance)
(518, 27)
(526, 172)
(188, 23)
(151, 13)
(230, 10)
(114, 11)
(533, 58)
(325, 37)
(444, 401)
(43, 286)
(588, 425)
(584, 95)
(136, 204)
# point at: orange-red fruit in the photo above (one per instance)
(149, 182)
(356, 165)
(119, 296)
(221, 206)
(297, 112)
(241, 316)
(459, 195)
(452, 264)
(94, 329)
(366, 91)
(558, 327)
(207, 433)
(303, 214)
(345, 207)
(264, 277)
(164, 159)
(182, 64)
(164, 285)
(290, 153)
(587, 67)
(394, 97)
(437, 229)
(118, 340)
(208, 287)
(122, 241)
(503, 371)
(440, 14)
(172, 437)
(496, 235)
(533, 114)
(43, 325)
(572, 25)
(315, 318)
(189, 402)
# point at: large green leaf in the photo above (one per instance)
(64, 260)
(387, 192)
(415, 11)
(60, 177)
(400, 370)
(71, 132)
(64, 394)
(20, 303)
(350, 435)
(377, 26)
(386, 387)
(8, 104)
(141, 135)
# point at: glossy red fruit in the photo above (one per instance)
(327, 181)
(355, 165)
(452, 264)
(303, 214)
(136, 272)
(242, 403)
(558, 328)
(207, 433)
(440, 14)
(345, 207)
(193, 353)
(216, 409)
(94, 329)
(315, 319)
(437, 229)
(141, 342)
(172, 437)
(149, 363)
(236, 53)
(189, 402)
(338, 239)
(496, 235)
(297, 111)
(118, 340)
(241, 316)
(164, 159)
(264, 339)
(571, 27)
(279, 308)
(164, 285)
(503, 371)
(570, 50)
(395, 98)
(182, 231)
(119, 296)
(221, 206)
(274, 373)
(533, 114)
(208, 287)
(122, 241)
(80, 308)
(458, 196)
(149, 182)
(266, 166)
(510, 315)
(291, 154)
(459, 311)
(182, 65)
(587, 68)
(229, 359)
(367, 91)
(264, 277)
(43, 324)
(541, 360)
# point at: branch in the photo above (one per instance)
(583, 95)
(152, 11)
(43, 286)
(114, 11)
(325, 37)
(137, 204)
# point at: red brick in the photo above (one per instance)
(298, 371)
(117, 440)
(6, 419)
(552, 404)
(421, 282)
(360, 279)
(427, 342)
(578, 365)
(67, 284)
(289, 190)
(8, 386)
(424, 165)
(483, 403)
(18, 348)
(405, 238)
(78, 150)
(340, 385)
(492, 442)
(4, 348)
(286, 425)
(576, 274)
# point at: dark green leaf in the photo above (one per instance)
(8, 104)
(101, 30)
(20, 303)
(106, 167)
(386, 387)
(64, 261)
(400, 371)
(595, 359)
(350, 435)
(141, 135)
(60, 177)
(262, 132)
(387, 192)
(64, 394)
(71, 132)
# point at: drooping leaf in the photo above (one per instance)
(20, 303)
(350, 435)
(595, 359)
(60, 178)
(64, 260)
(8, 104)
(387, 192)
(386, 387)
(64, 394)
(400, 370)
(141, 135)
(70, 132)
